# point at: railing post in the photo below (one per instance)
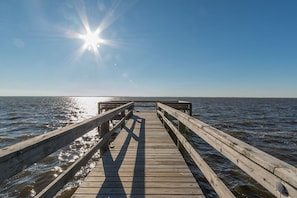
(166, 116)
(181, 127)
(190, 109)
(102, 130)
(130, 111)
(123, 114)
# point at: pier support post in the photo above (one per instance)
(123, 114)
(182, 128)
(130, 109)
(104, 129)
(166, 116)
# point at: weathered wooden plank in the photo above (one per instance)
(148, 184)
(140, 191)
(144, 174)
(136, 178)
(148, 169)
(141, 196)
(131, 166)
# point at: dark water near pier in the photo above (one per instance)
(268, 124)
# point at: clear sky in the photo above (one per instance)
(203, 48)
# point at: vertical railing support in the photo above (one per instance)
(123, 114)
(131, 111)
(190, 109)
(166, 116)
(182, 128)
(104, 129)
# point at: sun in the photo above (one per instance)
(92, 37)
(91, 40)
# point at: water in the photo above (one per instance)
(22, 118)
(268, 124)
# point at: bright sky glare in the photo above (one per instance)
(203, 48)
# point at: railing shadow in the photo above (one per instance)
(113, 185)
(138, 185)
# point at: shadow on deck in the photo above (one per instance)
(113, 185)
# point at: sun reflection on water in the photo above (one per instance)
(89, 105)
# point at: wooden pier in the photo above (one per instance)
(144, 159)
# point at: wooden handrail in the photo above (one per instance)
(17, 157)
(218, 185)
(51, 189)
(278, 177)
(184, 106)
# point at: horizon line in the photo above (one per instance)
(267, 97)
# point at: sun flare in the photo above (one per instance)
(92, 37)
(91, 40)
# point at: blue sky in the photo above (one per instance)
(203, 48)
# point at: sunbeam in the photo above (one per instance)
(91, 37)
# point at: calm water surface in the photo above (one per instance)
(268, 124)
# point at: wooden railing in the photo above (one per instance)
(15, 158)
(183, 106)
(275, 175)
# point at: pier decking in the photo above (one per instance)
(143, 161)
